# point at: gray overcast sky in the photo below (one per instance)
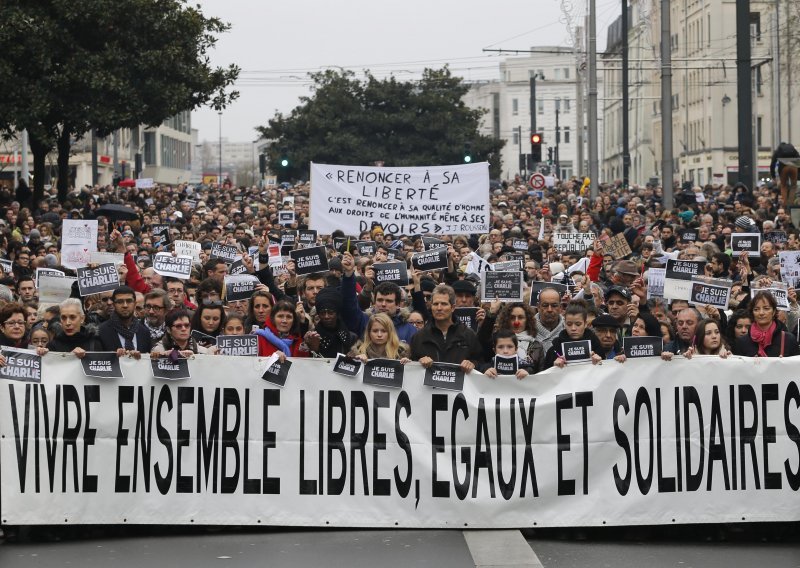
(276, 43)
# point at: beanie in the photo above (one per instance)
(329, 299)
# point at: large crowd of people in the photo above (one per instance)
(588, 294)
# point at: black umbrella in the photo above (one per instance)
(117, 212)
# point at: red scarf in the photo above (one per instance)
(762, 338)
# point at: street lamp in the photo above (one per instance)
(726, 100)
(219, 179)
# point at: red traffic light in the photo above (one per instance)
(536, 138)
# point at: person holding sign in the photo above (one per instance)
(708, 341)
(445, 341)
(380, 342)
(209, 319)
(505, 344)
(576, 328)
(13, 327)
(281, 333)
(74, 336)
(178, 341)
(520, 319)
(331, 336)
(768, 337)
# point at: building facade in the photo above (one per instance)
(558, 90)
(704, 88)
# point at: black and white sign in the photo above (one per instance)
(101, 365)
(467, 316)
(383, 373)
(780, 294)
(506, 365)
(160, 234)
(678, 277)
(570, 242)
(307, 237)
(689, 235)
(635, 347)
(240, 287)
(444, 376)
(188, 248)
(309, 260)
(175, 266)
(435, 259)
(228, 253)
(518, 256)
(396, 272)
(6, 265)
(746, 242)
(289, 238)
(430, 243)
(347, 366)
(238, 345)
(537, 287)
(278, 372)
(776, 237)
(203, 338)
(171, 369)
(577, 351)
(502, 286)
(237, 267)
(104, 278)
(366, 248)
(21, 365)
(711, 294)
(285, 218)
(519, 244)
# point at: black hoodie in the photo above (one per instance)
(563, 337)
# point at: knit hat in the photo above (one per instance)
(329, 299)
(51, 260)
(463, 287)
(745, 223)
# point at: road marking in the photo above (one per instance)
(496, 548)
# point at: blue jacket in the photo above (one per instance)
(356, 320)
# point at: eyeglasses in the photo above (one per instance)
(417, 323)
(14, 322)
(153, 307)
(181, 325)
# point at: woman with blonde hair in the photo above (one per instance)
(380, 341)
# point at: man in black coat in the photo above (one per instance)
(123, 333)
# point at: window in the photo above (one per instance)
(755, 26)
(566, 72)
(558, 103)
(150, 148)
(566, 135)
(565, 106)
(515, 106)
(758, 131)
(515, 141)
(539, 106)
(557, 71)
(759, 79)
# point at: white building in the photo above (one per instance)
(704, 88)
(508, 101)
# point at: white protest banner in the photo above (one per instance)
(790, 267)
(54, 289)
(441, 200)
(568, 242)
(79, 232)
(106, 257)
(615, 444)
(188, 248)
(144, 183)
(46, 272)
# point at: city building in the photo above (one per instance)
(508, 100)
(704, 88)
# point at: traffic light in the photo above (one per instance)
(284, 157)
(549, 155)
(262, 164)
(467, 153)
(536, 147)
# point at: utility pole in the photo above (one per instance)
(219, 179)
(95, 176)
(666, 107)
(115, 154)
(579, 102)
(744, 86)
(594, 165)
(533, 104)
(777, 131)
(520, 159)
(626, 151)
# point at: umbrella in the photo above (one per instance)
(117, 212)
(127, 183)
